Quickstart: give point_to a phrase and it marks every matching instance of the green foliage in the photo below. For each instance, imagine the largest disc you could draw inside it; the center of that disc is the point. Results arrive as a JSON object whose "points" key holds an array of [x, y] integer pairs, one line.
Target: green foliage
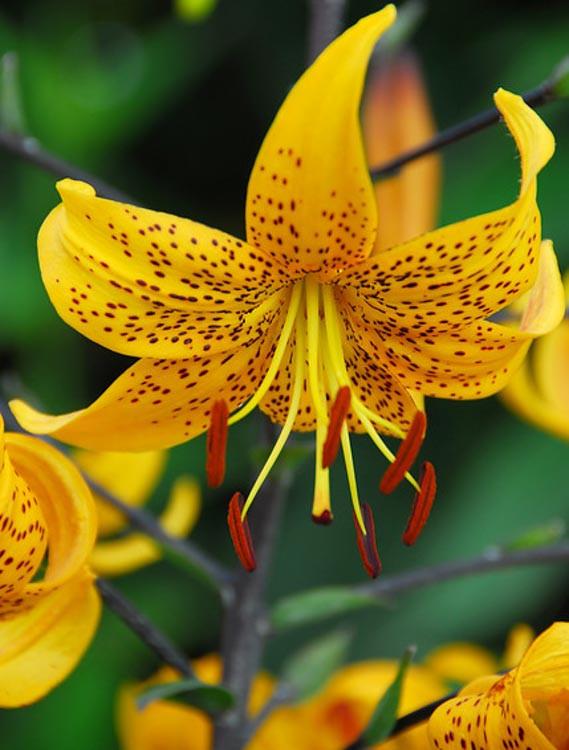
{"points": [[319, 604], [308, 670], [209, 698]]}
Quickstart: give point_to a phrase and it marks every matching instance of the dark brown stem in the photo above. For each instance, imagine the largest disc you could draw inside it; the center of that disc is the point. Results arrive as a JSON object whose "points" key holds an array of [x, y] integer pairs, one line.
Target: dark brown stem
{"points": [[141, 626]]}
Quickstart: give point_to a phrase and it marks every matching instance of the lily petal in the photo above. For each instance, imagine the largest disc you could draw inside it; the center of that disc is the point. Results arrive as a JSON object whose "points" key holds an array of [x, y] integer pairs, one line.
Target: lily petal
{"points": [[41, 645], [129, 476], [528, 706], [146, 283], [121, 556], [396, 118], [464, 272], [157, 403], [310, 201]]}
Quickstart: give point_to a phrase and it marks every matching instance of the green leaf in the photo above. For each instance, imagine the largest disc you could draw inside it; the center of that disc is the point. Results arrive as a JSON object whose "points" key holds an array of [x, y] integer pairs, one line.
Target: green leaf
{"points": [[560, 79], [311, 667], [212, 699], [539, 536], [11, 110], [385, 715], [319, 604]]}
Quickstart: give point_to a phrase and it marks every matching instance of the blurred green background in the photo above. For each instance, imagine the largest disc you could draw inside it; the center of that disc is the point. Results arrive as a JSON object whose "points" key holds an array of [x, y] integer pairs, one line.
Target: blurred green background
{"points": [[173, 112]]}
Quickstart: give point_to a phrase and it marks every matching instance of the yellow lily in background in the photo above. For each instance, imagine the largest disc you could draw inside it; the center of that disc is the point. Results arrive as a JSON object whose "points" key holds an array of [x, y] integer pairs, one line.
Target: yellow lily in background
{"points": [[307, 319], [132, 477], [48, 619], [539, 390], [330, 721], [526, 708]]}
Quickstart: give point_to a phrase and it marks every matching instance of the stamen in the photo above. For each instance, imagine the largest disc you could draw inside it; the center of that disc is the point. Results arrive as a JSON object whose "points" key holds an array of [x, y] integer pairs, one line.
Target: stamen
{"points": [[422, 504], [284, 337], [321, 509], [216, 443], [338, 415], [406, 454], [313, 324], [351, 475], [240, 533], [325, 518], [367, 544]]}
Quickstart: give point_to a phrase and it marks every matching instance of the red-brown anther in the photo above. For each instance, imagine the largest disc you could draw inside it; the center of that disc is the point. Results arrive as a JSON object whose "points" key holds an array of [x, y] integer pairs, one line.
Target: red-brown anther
{"points": [[338, 415], [216, 444], [422, 504], [324, 519], [367, 544], [240, 534], [406, 454]]}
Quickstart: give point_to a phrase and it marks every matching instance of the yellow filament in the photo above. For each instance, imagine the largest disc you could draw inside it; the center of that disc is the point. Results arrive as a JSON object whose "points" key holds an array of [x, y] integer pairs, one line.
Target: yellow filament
{"points": [[351, 474], [335, 349], [312, 340], [299, 368], [284, 337], [321, 501]]}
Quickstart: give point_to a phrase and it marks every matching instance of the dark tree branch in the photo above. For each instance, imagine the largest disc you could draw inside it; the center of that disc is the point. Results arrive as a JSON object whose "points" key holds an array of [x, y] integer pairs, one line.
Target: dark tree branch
{"points": [[156, 641], [535, 98], [485, 563], [326, 22], [30, 150]]}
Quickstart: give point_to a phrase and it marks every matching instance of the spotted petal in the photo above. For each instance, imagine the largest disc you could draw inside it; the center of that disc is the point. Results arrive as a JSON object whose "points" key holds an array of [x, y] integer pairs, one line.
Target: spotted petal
{"points": [[157, 403], [41, 645], [145, 283], [457, 275], [527, 708], [310, 201]]}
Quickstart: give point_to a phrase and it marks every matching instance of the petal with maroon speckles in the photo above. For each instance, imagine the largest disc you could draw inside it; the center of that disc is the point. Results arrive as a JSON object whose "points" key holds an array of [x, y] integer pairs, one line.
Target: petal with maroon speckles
{"points": [[145, 283]]}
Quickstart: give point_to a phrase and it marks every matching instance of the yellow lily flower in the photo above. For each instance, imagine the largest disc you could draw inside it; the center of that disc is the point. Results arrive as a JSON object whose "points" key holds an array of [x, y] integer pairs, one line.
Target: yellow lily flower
{"points": [[132, 477], [526, 708], [46, 621], [538, 391], [331, 720], [306, 319]]}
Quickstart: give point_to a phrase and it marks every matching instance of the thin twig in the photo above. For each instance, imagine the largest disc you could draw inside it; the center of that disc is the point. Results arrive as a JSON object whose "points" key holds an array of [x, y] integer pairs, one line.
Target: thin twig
{"points": [[491, 560], [326, 22], [30, 150], [535, 98], [148, 633], [243, 639]]}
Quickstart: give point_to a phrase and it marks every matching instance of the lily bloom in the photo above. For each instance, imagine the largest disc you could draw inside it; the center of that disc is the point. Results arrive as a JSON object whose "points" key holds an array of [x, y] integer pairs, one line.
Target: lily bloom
{"points": [[306, 319], [132, 477], [526, 708], [331, 719], [48, 619], [538, 391]]}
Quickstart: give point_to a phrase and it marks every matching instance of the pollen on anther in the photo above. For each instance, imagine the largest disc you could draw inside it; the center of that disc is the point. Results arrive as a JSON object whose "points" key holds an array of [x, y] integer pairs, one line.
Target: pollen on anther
{"points": [[422, 504], [216, 444], [367, 544], [240, 534], [338, 415], [406, 454]]}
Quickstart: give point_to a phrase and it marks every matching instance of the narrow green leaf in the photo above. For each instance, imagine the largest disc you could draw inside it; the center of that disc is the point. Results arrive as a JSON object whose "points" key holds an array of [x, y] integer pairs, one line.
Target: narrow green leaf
{"points": [[539, 536], [560, 79], [212, 699], [311, 667], [319, 604], [385, 714]]}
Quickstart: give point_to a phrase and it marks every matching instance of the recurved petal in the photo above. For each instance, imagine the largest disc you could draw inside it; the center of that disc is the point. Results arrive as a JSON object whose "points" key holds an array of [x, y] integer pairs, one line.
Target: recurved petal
{"points": [[40, 646], [551, 369], [396, 117], [145, 283], [121, 556], [157, 403], [66, 505], [463, 272], [129, 476], [310, 201]]}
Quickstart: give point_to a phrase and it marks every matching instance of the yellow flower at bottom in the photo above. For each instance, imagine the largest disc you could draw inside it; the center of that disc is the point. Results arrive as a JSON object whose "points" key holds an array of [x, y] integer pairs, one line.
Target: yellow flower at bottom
{"points": [[528, 708], [132, 477], [46, 620]]}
